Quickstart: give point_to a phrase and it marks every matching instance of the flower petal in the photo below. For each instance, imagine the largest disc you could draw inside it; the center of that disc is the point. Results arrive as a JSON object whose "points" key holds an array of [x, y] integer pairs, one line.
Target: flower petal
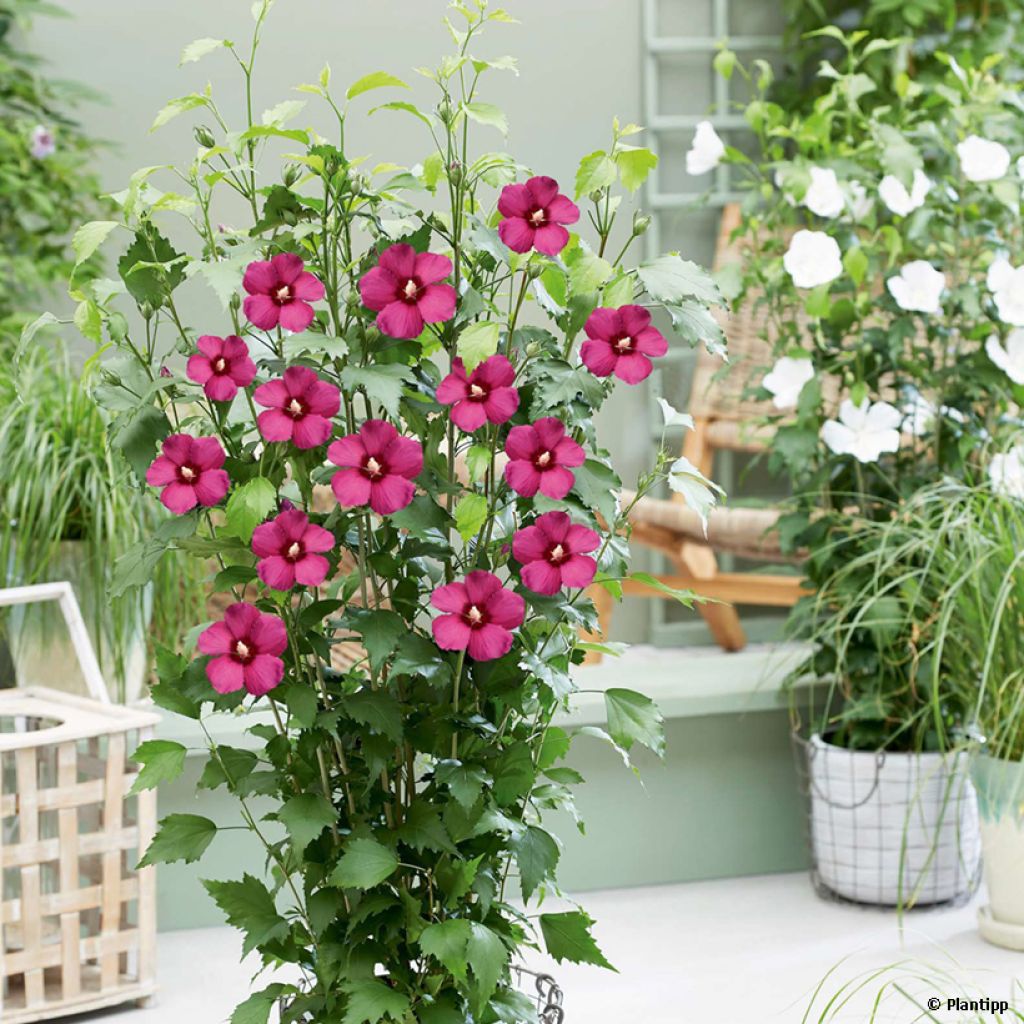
{"points": [[489, 642], [377, 288], [262, 674], [296, 316], [390, 494], [225, 674], [542, 577], [261, 311], [350, 487], [431, 267], [277, 572], [451, 632], [516, 234], [437, 303], [260, 277], [400, 260], [311, 431], [400, 320], [556, 483], [551, 239]]}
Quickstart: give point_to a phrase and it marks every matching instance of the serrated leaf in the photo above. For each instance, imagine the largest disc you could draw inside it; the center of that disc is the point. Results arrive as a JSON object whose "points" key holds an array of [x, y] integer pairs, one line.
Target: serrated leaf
{"points": [[596, 171], [364, 864], [258, 1007], [199, 48], [89, 237], [598, 486], [476, 343], [377, 709], [380, 630], [536, 853], [634, 166], [424, 830], [248, 506], [487, 113], [567, 937], [374, 80], [306, 815], [249, 906], [470, 515], [161, 760], [372, 1001], [699, 493], [446, 942], [487, 957], [671, 279], [464, 782], [227, 767], [176, 107], [634, 718], [383, 384], [180, 837]]}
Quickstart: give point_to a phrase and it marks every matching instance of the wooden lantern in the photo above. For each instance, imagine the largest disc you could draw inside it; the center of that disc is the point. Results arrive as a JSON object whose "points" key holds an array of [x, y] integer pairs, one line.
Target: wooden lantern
{"points": [[77, 920]]}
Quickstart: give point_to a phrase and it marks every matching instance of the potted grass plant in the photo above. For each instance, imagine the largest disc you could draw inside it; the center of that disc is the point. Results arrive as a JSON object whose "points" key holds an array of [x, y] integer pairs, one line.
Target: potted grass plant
{"points": [[387, 441]]}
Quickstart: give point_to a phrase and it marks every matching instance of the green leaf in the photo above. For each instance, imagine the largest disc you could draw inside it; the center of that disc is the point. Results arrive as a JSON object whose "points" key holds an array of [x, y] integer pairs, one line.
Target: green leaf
{"points": [[150, 267], [724, 63], [89, 237], [695, 325], [446, 942], [364, 864], [376, 709], [634, 718], [161, 760], [464, 782], [371, 1001], [597, 485], [424, 830], [180, 837], [380, 630], [229, 766], [176, 107], [383, 384], [685, 597], [248, 506], [855, 261], [587, 271], [306, 815], [199, 48], [409, 108], [567, 937], [537, 855], [470, 515], [487, 958], [258, 1007], [476, 343], [301, 700], [634, 166], [596, 171], [375, 80], [249, 906], [487, 113], [32, 329], [671, 279], [421, 517], [138, 436]]}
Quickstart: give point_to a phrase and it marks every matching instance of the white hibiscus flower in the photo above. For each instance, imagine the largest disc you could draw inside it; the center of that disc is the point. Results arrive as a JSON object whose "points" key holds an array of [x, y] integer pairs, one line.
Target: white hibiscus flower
{"points": [[1009, 358], [1006, 283], [673, 417], [920, 413], [864, 431], [824, 196], [813, 258], [860, 203], [706, 151], [699, 493], [895, 195], [982, 159], [786, 380], [1006, 471], [918, 287]]}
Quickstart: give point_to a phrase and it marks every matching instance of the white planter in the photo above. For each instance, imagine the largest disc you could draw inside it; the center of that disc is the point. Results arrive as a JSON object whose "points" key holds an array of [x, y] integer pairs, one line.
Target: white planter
{"points": [[1001, 797], [892, 829]]}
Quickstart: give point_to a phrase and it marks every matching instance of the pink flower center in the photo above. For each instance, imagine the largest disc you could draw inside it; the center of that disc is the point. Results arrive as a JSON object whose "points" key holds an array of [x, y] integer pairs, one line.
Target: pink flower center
{"points": [[294, 552], [283, 294], [295, 408], [475, 391], [543, 460], [372, 468], [538, 218], [557, 555], [410, 290], [187, 473], [474, 616], [242, 650], [219, 364], [623, 344]]}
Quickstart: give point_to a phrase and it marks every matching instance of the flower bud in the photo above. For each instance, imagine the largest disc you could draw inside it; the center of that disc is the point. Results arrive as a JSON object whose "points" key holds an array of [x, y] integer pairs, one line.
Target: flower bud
{"points": [[533, 349], [164, 372], [236, 302], [455, 172], [641, 223], [204, 136], [534, 270], [596, 196], [444, 112], [292, 173], [146, 310]]}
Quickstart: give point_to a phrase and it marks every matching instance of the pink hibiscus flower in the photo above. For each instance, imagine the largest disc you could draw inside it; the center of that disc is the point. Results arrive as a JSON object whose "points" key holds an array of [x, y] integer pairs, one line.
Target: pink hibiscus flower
{"points": [[619, 341], [553, 552], [280, 292], [189, 471], [222, 366], [289, 549], [378, 467], [534, 214], [480, 615], [485, 396], [539, 455], [247, 645], [299, 408], [404, 290]]}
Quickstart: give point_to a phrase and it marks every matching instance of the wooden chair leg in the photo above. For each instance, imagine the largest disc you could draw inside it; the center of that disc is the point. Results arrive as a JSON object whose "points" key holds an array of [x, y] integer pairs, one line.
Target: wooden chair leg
{"points": [[722, 620], [605, 605]]}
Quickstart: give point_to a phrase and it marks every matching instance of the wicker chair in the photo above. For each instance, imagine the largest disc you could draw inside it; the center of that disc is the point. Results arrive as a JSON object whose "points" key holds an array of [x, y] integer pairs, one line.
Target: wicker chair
{"points": [[723, 421]]}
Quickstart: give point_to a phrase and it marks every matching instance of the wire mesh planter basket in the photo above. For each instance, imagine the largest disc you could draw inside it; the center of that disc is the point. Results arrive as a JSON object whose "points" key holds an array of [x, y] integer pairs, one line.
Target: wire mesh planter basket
{"points": [[888, 828]]}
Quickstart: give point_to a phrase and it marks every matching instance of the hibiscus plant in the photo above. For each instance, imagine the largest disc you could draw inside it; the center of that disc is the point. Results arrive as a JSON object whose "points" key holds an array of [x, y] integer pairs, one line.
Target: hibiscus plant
{"points": [[386, 443], [876, 239]]}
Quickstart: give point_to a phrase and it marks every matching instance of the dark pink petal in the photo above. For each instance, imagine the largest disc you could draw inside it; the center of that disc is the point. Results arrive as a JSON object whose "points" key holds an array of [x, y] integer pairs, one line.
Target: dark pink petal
{"points": [[219, 389], [298, 380], [481, 586], [261, 311], [268, 538], [308, 287], [296, 316], [177, 448], [452, 389], [179, 498], [569, 453], [451, 633], [207, 453], [634, 319], [216, 639], [400, 260], [550, 239], [317, 539], [604, 323], [582, 539], [495, 372], [243, 371], [376, 435], [501, 404], [232, 347], [400, 320], [311, 571], [550, 432], [541, 577], [469, 416], [437, 303], [323, 398], [405, 457], [563, 210], [506, 608], [212, 346], [275, 425], [378, 288], [523, 478], [651, 342], [542, 190], [431, 267], [522, 443], [260, 277], [632, 368], [598, 357], [515, 201], [347, 451], [311, 431], [350, 487], [292, 524], [390, 494], [161, 471], [211, 486], [489, 642], [262, 674], [269, 634], [556, 483], [450, 598], [529, 544], [225, 674], [273, 394], [578, 571], [555, 526], [287, 266], [277, 572], [198, 368], [240, 618], [516, 234]]}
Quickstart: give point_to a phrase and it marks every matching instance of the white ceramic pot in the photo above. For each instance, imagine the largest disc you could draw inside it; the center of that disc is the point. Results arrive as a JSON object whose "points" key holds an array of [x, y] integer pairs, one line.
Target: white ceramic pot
{"points": [[1000, 786], [892, 829]]}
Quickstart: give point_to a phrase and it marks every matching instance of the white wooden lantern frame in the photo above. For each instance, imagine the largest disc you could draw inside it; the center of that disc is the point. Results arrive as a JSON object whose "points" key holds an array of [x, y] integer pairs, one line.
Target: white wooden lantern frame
{"points": [[77, 920]]}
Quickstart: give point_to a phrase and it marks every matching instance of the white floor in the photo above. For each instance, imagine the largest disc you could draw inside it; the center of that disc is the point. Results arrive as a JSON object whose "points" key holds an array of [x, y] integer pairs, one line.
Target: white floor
{"points": [[737, 951]]}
